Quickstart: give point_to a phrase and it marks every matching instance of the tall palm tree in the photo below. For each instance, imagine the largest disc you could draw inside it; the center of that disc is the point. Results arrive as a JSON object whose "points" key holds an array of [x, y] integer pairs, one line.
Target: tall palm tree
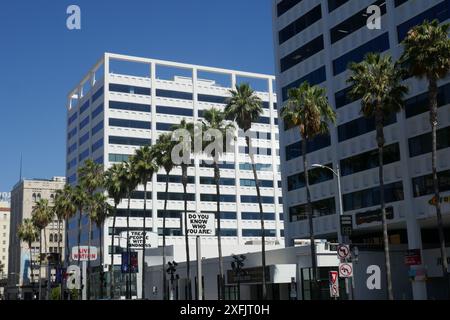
{"points": [[90, 177], [28, 233], [162, 154], [144, 167], [308, 109], [189, 127], [427, 55], [64, 210], [42, 215], [116, 191], [245, 107], [129, 181], [377, 81], [215, 120], [79, 199], [100, 210]]}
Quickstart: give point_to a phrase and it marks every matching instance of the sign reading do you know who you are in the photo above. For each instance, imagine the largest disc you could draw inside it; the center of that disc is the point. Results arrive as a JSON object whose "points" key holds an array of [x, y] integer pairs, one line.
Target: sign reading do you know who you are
{"points": [[201, 224]]}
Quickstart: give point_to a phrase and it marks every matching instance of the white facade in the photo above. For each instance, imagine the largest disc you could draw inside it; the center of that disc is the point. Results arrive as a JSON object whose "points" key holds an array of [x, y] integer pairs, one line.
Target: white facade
{"points": [[159, 103], [327, 67]]}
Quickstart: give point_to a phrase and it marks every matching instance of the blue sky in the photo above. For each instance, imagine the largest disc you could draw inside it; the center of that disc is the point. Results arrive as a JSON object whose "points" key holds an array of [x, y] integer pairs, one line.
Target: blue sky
{"points": [[41, 60]]}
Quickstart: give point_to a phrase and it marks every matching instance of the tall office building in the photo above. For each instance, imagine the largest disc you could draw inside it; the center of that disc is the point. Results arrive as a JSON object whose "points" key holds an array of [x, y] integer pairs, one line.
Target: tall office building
{"points": [[4, 243], [315, 40], [126, 102], [24, 196]]}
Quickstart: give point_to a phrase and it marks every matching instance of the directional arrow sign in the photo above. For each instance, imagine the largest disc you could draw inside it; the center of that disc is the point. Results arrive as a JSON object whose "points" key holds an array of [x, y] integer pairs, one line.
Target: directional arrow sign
{"points": [[343, 251], [346, 270]]}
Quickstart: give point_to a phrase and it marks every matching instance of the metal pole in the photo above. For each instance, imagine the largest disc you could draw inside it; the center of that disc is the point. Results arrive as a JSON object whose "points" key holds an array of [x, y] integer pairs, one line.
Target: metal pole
{"points": [[199, 269]]}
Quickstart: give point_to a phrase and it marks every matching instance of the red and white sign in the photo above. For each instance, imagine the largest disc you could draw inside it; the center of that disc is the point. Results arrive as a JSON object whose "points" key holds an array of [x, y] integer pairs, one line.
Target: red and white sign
{"points": [[346, 270], [334, 284], [84, 254], [343, 251], [413, 257]]}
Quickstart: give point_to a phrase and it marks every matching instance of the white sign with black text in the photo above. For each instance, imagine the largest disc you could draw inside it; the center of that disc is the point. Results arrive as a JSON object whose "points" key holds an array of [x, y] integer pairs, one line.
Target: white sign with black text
{"points": [[201, 224], [136, 239]]}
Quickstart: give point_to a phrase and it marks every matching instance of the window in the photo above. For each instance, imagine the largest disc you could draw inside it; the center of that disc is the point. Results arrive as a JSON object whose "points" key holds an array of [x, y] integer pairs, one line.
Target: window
{"points": [[360, 126], [316, 175], [354, 23], [343, 97], [84, 122], [259, 166], [399, 2], [160, 126], [301, 54], [72, 118], [175, 111], [97, 111], [51, 238], [258, 232], [419, 104], [424, 185], [285, 5], [135, 213], [252, 183], [320, 208], [212, 99], [72, 163], [229, 166], [126, 123], [257, 216], [83, 155], [254, 199], [371, 197], [129, 141], [422, 144], [176, 196], [84, 107], [174, 179], [256, 150], [72, 148], [72, 133], [97, 94], [316, 77], [97, 128], [377, 45], [213, 198], [300, 24], [369, 160], [171, 232], [441, 11], [318, 142], [129, 89], [97, 145], [227, 232], [99, 160], [174, 94], [222, 181], [129, 106], [334, 4], [83, 139], [118, 157], [72, 178]]}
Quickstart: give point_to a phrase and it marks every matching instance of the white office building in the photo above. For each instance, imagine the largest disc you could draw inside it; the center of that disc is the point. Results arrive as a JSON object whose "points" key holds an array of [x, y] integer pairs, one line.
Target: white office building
{"points": [[126, 102], [314, 41]]}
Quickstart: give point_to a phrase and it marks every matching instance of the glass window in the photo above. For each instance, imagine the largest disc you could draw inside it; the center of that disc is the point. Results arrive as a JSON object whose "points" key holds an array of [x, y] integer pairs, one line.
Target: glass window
{"points": [[72, 163], [229, 166], [371, 197], [175, 111], [258, 232], [252, 183], [360, 126], [72, 178], [213, 198], [369, 160], [424, 185], [300, 24], [97, 111], [72, 118], [97, 94], [316, 77], [343, 97], [118, 157], [285, 5], [83, 155], [301, 54], [72, 148], [377, 45], [227, 232], [212, 99], [164, 126], [259, 166], [99, 160], [419, 104], [318, 142], [257, 216], [334, 4], [129, 89], [126, 123], [84, 107], [174, 94], [222, 181], [97, 128], [254, 199], [97, 145], [72, 133], [316, 175], [129, 106], [323, 207], [129, 141], [84, 122], [176, 196], [83, 139], [422, 144]]}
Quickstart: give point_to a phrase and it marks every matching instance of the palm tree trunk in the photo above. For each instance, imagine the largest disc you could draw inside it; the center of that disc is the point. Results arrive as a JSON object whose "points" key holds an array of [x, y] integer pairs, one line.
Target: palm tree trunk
{"points": [[101, 260], [186, 237], [45, 252], [59, 257], [30, 245], [112, 280], [380, 142], [433, 93], [128, 282], [143, 243], [40, 264], [263, 233], [88, 277], [164, 239], [315, 284], [67, 254], [219, 237], [79, 242]]}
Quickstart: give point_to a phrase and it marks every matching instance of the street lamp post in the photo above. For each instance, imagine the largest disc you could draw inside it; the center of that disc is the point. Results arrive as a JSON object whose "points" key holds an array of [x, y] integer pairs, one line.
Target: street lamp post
{"points": [[341, 238]]}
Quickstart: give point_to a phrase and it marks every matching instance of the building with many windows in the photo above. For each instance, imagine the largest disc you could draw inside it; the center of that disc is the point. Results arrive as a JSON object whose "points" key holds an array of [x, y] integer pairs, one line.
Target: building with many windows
{"points": [[4, 243], [315, 40], [24, 196], [126, 102]]}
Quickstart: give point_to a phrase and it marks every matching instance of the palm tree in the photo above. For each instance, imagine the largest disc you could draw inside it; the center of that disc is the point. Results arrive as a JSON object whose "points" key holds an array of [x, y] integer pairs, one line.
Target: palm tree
{"points": [[116, 191], [79, 199], [64, 209], [377, 81], [90, 178], [42, 215], [189, 127], [145, 167], [162, 150], [100, 210], [245, 107], [129, 182], [308, 109], [215, 120], [427, 55], [28, 233]]}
